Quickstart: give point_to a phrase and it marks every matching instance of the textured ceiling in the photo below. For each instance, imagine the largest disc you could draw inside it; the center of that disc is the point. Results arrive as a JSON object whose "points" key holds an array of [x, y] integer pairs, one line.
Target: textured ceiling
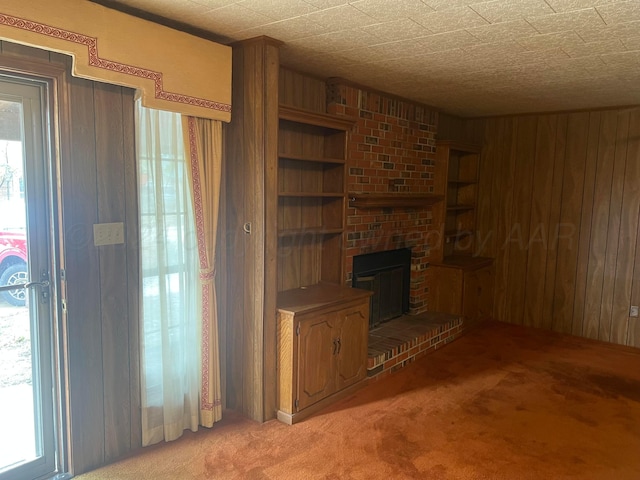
{"points": [[467, 57]]}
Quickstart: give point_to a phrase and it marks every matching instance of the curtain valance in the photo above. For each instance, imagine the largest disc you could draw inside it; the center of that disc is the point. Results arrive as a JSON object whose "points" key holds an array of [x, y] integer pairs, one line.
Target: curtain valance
{"points": [[171, 70]]}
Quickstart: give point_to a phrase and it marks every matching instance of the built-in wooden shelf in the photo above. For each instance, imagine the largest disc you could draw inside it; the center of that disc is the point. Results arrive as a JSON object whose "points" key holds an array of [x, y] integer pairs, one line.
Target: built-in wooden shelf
{"points": [[464, 262], [309, 158], [311, 194], [390, 200], [457, 234], [318, 119], [308, 231]]}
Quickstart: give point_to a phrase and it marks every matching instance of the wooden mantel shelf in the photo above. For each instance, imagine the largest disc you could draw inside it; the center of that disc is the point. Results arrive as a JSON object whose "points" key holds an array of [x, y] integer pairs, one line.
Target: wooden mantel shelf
{"points": [[391, 200], [326, 120]]}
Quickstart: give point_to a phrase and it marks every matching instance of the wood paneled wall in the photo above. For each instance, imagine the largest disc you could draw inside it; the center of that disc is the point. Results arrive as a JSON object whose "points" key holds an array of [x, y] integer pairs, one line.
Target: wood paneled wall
{"points": [[97, 178], [302, 91], [559, 198]]}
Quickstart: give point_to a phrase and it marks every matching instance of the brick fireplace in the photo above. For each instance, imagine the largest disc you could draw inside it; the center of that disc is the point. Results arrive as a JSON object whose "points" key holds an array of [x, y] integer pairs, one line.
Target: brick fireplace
{"points": [[391, 150]]}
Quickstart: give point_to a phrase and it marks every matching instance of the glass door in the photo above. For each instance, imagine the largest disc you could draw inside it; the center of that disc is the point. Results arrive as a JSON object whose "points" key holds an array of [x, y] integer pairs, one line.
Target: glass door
{"points": [[27, 433]]}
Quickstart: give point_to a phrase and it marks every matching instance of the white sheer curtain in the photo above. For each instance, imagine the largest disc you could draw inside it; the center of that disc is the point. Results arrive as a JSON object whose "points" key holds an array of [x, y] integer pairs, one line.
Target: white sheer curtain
{"points": [[170, 330]]}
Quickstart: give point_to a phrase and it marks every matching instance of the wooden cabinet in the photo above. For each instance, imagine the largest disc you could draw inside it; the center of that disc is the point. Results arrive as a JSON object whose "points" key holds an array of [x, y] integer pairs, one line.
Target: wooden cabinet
{"points": [[322, 331], [463, 287], [322, 325], [461, 282], [311, 197]]}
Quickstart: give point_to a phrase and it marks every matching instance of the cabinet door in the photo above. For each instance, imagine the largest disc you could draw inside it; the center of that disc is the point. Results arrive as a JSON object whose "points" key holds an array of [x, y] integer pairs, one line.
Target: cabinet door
{"points": [[446, 290], [316, 362], [485, 292], [352, 351], [478, 294], [470, 295]]}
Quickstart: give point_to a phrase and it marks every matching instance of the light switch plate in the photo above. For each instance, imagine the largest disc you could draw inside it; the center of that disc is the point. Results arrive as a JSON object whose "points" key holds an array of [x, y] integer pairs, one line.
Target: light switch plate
{"points": [[633, 311], [108, 234]]}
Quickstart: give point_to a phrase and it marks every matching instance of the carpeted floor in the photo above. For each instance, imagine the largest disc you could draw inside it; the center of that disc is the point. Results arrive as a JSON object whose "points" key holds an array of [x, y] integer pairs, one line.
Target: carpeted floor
{"points": [[502, 402]]}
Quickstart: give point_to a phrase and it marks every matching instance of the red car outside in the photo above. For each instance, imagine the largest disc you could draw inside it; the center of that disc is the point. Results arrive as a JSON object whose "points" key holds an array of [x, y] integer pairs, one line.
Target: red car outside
{"points": [[13, 265]]}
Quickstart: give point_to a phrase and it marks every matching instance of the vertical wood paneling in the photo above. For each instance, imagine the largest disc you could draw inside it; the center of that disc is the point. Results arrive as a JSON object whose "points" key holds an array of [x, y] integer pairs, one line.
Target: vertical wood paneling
{"points": [[599, 224], [83, 285], [234, 179], [484, 241], [554, 220], [585, 223], [540, 209], [580, 264], [269, 379], [613, 231], [568, 228], [253, 289], [623, 282], [113, 269], [525, 151], [503, 183], [633, 160], [133, 282], [302, 90]]}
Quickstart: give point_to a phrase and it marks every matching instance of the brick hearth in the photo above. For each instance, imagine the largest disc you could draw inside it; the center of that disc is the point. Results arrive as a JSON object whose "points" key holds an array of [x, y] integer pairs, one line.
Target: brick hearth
{"points": [[402, 340]]}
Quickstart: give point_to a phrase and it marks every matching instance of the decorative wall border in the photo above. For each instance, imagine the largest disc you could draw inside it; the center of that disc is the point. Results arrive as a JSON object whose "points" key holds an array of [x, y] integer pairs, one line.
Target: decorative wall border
{"points": [[95, 61]]}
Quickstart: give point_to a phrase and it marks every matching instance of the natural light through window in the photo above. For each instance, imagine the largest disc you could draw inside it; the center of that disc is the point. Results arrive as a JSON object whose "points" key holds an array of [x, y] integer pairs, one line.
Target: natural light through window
{"points": [[169, 263]]}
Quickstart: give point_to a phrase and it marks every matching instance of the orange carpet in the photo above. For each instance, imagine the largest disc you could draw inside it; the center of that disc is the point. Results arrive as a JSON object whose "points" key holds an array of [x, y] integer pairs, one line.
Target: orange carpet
{"points": [[502, 402]]}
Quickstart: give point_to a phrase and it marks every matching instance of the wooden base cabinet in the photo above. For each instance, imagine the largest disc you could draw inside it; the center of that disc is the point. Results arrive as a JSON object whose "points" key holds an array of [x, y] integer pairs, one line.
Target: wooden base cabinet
{"points": [[463, 286], [322, 339]]}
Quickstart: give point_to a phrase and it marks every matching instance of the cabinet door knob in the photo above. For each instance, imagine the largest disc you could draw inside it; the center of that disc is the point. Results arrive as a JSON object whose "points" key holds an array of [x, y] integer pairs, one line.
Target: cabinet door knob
{"points": [[339, 345], [335, 346]]}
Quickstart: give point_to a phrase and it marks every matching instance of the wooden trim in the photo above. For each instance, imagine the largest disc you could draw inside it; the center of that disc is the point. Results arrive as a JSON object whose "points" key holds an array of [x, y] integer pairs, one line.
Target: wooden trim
{"points": [[308, 117], [360, 86], [262, 40], [464, 262], [548, 112], [292, 418]]}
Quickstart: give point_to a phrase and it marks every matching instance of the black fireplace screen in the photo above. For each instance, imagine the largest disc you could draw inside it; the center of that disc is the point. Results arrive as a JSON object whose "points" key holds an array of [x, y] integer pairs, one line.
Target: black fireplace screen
{"points": [[387, 275]]}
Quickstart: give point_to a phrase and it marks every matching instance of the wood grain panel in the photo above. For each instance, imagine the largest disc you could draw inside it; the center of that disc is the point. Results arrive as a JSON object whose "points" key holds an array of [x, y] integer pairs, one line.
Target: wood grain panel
{"points": [[599, 224], [503, 183], [633, 160], [485, 214], [554, 221], [113, 269], [132, 238], [234, 181], [585, 223], [302, 91], [613, 230], [83, 283], [253, 287], [520, 217], [272, 101], [627, 239], [539, 220], [581, 268], [568, 228]]}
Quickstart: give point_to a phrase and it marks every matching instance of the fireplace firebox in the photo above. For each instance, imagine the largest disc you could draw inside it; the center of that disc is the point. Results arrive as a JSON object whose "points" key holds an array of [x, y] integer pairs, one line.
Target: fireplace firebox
{"points": [[387, 274]]}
